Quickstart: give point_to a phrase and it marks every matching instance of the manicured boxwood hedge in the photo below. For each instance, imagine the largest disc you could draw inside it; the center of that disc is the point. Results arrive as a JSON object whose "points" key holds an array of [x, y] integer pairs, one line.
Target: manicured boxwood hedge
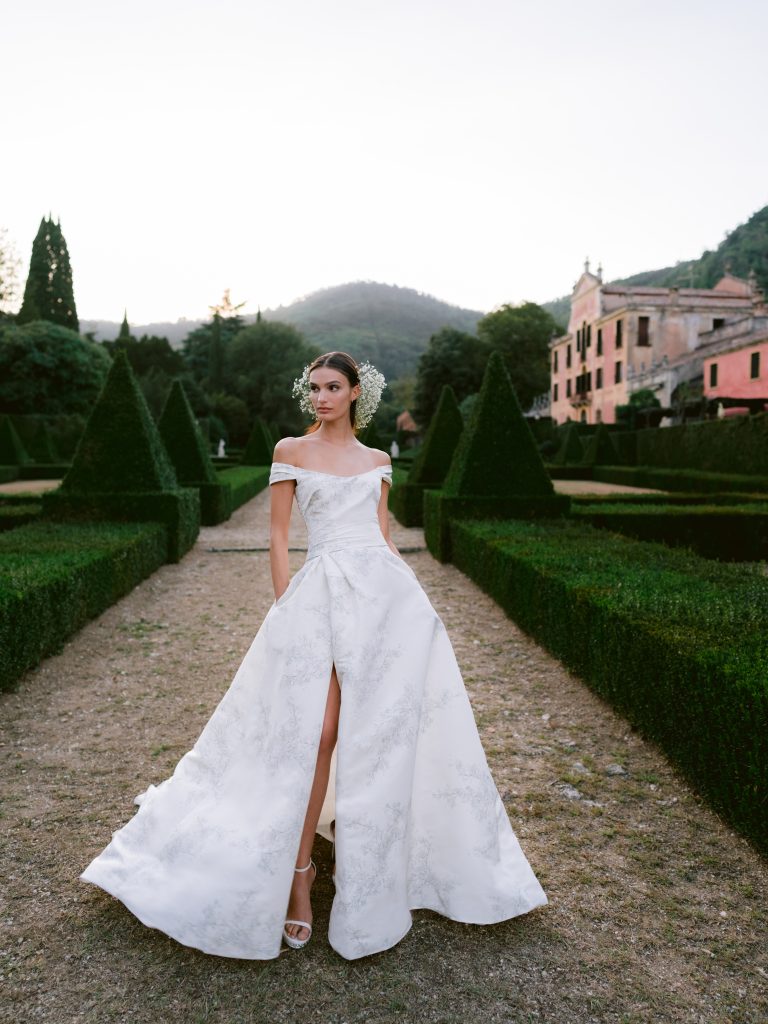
{"points": [[677, 643], [245, 482], [679, 479], [54, 577], [726, 533], [18, 514]]}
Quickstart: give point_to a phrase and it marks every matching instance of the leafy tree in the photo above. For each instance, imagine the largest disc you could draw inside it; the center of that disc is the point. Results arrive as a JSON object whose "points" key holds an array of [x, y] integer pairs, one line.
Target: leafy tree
{"points": [[205, 348], [521, 334], [262, 362], [125, 330], [232, 412], [452, 357], [48, 294], [45, 368]]}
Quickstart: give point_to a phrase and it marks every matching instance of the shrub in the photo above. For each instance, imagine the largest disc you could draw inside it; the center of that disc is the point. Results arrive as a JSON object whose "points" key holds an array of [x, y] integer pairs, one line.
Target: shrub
{"points": [[431, 463], [258, 450], [55, 577], [677, 643]]}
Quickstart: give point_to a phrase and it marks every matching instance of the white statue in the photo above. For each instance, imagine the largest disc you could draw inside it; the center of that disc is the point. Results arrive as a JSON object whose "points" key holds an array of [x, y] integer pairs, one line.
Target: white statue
{"points": [[221, 453], [394, 449]]}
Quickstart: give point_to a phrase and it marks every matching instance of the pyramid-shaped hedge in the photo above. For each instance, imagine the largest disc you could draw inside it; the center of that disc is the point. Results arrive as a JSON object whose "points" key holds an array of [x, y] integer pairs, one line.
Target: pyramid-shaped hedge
{"points": [[12, 450], [600, 450], [496, 470], [258, 450], [121, 470], [191, 460], [430, 466], [571, 449]]}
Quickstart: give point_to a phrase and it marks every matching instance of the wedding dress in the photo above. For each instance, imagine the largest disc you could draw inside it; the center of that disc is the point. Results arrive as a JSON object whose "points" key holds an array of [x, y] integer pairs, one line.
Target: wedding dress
{"points": [[209, 856]]}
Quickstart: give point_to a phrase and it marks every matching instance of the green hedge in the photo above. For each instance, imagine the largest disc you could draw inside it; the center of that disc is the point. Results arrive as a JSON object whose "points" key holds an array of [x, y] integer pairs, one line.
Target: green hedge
{"points": [[178, 510], [678, 479], [728, 534], [17, 513], [734, 444], [55, 577], [677, 643], [245, 482]]}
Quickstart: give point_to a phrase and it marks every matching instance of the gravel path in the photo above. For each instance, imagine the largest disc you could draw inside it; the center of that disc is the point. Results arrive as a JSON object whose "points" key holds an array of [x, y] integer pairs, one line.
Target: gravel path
{"points": [[657, 913]]}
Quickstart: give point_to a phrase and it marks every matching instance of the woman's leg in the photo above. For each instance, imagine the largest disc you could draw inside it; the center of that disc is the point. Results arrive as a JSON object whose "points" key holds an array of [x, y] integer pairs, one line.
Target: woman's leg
{"points": [[299, 905]]}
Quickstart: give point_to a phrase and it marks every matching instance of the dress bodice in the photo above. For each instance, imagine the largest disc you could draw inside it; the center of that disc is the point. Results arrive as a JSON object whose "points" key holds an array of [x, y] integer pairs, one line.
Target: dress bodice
{"points": [[339, 511]]}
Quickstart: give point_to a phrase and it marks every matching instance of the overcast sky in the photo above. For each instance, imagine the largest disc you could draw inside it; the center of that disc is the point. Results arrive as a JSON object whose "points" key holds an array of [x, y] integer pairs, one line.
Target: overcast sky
{"points": [[476, 150]]}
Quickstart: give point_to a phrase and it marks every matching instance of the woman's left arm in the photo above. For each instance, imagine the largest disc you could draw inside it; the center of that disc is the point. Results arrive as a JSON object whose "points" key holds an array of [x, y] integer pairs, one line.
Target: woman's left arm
{"points": [[383, 511]]}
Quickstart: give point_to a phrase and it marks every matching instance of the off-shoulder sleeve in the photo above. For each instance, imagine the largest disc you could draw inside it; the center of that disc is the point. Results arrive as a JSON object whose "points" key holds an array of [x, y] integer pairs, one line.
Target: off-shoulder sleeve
{"points": [[386, 473], [282, 471]]}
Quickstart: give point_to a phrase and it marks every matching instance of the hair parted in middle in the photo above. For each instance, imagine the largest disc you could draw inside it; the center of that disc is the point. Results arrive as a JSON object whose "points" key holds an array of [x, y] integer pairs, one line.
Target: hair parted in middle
{"points": [[343, 362]]}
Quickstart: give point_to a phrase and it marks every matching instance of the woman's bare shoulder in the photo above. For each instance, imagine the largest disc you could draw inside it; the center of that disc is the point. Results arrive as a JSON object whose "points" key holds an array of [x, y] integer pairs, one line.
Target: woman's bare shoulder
{"points": [[381, 458], [286, 450]]}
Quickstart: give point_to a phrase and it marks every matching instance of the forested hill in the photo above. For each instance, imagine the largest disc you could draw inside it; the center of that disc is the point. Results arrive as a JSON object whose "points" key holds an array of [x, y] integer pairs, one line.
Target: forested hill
{"points": [[742, 250], [387, 324]]}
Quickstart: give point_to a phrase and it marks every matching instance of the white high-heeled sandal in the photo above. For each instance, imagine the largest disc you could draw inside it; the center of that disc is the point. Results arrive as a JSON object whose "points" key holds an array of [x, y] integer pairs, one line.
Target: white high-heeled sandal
{"points": [[292, 941]]}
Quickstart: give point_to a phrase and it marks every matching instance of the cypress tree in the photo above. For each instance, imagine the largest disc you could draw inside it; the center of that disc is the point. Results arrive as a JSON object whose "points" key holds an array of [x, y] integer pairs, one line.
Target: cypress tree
{"points": [[48, 293], [125, 330]]}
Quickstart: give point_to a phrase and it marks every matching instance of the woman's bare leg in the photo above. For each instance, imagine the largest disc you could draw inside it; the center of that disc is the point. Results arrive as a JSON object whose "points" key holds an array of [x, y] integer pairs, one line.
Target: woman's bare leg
{"points": [[299, 905]]}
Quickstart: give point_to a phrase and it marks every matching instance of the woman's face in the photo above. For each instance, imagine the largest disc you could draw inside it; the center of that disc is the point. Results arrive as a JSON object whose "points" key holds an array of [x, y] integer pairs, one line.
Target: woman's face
{"points": [[331, 393]]}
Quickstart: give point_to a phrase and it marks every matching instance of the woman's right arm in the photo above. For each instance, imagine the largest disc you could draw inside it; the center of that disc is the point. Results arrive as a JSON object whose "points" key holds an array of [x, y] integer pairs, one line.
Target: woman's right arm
{"points": [[281, 503]]}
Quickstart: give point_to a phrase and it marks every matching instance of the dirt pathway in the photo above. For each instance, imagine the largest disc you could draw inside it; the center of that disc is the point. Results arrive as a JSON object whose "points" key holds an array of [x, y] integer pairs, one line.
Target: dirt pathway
{"points": [[657, 912]]}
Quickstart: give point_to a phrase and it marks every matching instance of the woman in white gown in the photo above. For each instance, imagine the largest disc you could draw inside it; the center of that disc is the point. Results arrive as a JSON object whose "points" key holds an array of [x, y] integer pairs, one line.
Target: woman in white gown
{"points": [[348, 708]]}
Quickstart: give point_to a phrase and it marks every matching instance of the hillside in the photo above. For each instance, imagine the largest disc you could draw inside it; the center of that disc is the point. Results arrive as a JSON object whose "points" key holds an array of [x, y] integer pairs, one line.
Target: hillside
{"points": [[387, 324], [744, 249]]}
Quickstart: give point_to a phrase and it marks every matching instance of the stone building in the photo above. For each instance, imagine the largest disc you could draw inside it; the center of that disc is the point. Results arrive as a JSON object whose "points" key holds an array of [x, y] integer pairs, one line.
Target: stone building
{"points": [[623, 339]]}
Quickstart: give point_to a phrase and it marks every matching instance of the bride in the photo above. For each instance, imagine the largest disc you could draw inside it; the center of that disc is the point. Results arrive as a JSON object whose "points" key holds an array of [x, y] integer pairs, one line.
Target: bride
{"points": [[347, 717]]}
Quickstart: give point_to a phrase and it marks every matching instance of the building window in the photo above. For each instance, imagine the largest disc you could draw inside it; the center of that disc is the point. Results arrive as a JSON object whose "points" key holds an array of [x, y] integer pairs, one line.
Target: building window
{"points": [[599, 377], [643, 324], [554, 361], [589, 380], [754, 365], [619, 338], [599, 341], [617, 373], [568, 355], [554, 392], [713, 375], [718, 322], [589, 335], [568, 388]]}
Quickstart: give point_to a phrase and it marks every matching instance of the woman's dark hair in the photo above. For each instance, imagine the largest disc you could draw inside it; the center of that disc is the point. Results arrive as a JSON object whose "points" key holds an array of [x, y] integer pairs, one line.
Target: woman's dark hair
{"points": [[343, 362]]}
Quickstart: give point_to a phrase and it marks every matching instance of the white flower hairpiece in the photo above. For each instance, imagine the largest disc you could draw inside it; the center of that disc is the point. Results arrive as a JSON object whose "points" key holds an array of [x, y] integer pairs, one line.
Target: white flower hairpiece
{"points": [[372, 384]]}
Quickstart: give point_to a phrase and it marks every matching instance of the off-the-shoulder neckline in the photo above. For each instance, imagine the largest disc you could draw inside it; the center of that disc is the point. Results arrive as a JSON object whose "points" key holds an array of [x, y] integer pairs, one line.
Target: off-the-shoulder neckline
{"points": [[339, 476]]}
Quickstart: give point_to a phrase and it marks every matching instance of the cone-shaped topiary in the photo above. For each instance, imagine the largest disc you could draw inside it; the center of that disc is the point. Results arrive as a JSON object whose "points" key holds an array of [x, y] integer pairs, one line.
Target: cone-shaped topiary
{"points": [[258, 451], [571, 449], [431, 465], [601, 451], [183, 441], [121, 449], [274, 431], [497, 454], [12, 450], [189, 453], [121, 470]]}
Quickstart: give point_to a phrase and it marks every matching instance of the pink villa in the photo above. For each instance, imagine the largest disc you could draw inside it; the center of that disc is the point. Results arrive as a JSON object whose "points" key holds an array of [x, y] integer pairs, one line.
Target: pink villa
{"points": [[623, 339]]}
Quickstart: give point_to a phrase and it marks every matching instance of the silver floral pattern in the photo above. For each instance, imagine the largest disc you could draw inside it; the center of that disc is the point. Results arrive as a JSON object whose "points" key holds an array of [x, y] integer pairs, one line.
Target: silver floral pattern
{"points": [[208, 857]]}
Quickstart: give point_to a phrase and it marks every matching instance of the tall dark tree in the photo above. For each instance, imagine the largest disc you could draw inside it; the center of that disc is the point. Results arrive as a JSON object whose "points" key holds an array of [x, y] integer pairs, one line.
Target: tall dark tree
{"points": [[125, 330], [48, 294], [522, 335], [453, 357]]}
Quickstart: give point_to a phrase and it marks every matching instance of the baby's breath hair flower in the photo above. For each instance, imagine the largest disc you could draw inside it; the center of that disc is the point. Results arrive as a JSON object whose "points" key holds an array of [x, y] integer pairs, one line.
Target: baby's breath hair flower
{"points": [[372, 383]]}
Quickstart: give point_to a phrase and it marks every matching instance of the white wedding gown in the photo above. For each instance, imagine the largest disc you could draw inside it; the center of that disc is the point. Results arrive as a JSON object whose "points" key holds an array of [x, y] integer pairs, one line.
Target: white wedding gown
{"points": [[209, 856]]}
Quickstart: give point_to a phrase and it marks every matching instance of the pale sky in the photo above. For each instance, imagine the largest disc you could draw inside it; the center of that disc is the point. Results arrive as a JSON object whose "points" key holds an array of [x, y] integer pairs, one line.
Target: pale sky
{"points": [[476, 150]]}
